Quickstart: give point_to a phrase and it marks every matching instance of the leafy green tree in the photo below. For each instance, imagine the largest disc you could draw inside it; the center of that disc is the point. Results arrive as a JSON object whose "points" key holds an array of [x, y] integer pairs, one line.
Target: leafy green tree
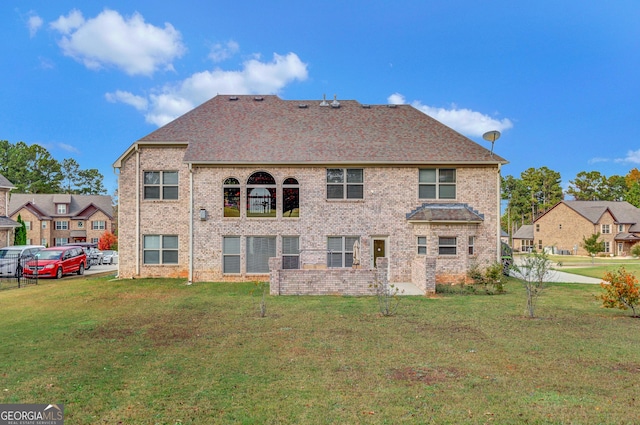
{"points": [[20, 237], [535, 192], [587, 186], [32, 169], [593, 244], [632, 195], [615, 189]]}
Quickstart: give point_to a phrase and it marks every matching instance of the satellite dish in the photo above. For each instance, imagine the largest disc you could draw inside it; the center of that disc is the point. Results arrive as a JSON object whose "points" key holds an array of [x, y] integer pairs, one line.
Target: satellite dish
{"points": [[491, 136]]}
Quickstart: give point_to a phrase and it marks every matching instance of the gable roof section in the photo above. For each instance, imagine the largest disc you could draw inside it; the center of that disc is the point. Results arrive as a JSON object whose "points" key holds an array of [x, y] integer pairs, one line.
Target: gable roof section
{"points": [[524, 232], [269, 130], [622, 211], [445, 213], [7, 223], [45, 204], [4, 183]]}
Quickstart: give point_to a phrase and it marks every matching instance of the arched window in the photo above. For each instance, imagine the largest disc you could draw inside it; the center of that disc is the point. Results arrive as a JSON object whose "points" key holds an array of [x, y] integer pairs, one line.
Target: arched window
{"points": [[261, 195], [231, 197], [290, 198]]}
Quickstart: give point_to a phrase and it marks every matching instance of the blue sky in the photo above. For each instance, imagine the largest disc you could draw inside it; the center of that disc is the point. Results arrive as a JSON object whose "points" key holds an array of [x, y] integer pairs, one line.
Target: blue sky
{"points": [[559, 79]]}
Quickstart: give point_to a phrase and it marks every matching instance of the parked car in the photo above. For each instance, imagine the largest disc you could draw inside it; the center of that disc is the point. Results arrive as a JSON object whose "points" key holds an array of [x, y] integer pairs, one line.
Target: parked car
{"points": [[88, 248], [94, 256], [109, 257], [13, 258], [56, 262]]}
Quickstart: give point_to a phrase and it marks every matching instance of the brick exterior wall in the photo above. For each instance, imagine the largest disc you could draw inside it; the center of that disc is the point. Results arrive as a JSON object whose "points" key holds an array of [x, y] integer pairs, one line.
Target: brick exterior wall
{"points": [[5, 234], [563, 228], [389, 194]]}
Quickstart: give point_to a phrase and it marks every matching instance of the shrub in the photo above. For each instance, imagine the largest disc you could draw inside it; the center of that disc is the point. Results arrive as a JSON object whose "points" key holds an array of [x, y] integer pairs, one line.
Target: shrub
{"points": [[621, 291], [635, 251], [490, 278]]}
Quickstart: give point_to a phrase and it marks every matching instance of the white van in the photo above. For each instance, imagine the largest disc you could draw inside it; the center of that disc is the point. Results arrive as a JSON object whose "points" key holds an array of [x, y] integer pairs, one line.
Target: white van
{"points": [[13, 258]]}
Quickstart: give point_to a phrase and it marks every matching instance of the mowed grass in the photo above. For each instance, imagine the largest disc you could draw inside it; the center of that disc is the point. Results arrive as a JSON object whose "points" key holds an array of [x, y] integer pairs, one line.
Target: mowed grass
{"points": [[594, 267], [160, 352]]}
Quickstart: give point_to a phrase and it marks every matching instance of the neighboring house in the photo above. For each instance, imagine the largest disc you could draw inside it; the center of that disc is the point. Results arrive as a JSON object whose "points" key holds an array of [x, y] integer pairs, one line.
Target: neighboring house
{"points": [[58, 219], [7, 225], [565, 226], [523, 238], [239, 180]]}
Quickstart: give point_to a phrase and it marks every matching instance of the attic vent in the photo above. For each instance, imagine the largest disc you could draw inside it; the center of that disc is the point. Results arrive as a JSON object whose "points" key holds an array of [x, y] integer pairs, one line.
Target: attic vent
{"points": [[324, 100], [233, 98], [303, 106], [258, 98], [392, 105], [335, 103], [366, 106]]}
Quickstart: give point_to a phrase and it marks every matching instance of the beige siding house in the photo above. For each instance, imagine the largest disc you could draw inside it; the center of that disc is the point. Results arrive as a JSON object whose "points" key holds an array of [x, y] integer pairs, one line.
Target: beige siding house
{"points": [[7, 225], [565, 225], [317, 192], [58, 219]]}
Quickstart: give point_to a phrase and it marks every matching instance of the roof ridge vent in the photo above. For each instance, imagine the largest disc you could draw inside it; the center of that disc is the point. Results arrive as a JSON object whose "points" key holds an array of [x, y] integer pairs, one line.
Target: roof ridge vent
{"points": [[233, 97], [335, 103], [366, 106], [324, 100], [392, 105], [303, 106], [258, 98]]}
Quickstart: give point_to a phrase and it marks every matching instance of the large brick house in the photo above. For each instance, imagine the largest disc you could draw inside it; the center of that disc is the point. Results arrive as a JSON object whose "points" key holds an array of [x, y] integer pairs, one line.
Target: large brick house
{"points": [[58, 219], [7, 225], [216, 193], [565, 225]]}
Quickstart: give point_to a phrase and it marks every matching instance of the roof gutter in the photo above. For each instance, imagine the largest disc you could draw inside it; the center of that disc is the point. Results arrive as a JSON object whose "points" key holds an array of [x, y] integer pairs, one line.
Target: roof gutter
{"points": [[190, 279]]}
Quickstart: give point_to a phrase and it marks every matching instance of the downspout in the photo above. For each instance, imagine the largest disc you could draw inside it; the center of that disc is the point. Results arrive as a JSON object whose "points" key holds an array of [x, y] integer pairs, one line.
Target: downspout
{"points": [[190, 281], [138, 235], [499, 228]]}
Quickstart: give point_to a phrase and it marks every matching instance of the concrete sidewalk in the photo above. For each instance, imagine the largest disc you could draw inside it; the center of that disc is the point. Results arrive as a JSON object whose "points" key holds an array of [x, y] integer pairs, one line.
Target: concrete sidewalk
{"points": [[560, 276]]}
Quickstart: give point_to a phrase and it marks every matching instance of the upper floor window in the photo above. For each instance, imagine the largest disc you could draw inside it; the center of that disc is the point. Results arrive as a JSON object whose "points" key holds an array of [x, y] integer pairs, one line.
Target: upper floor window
{"points": [[80, 224], [537, 227], [44, 224], [345, 183], [62, 225], [261, 195], [27, 225], [231, 197], [98, 225], [61, 208], [160, 185], [620, 227], [290, 198], [606, 228], [437, 183]]}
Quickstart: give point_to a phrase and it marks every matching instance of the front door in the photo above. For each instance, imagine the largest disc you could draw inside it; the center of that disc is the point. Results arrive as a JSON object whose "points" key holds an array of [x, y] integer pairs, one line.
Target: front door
{"points": [[379, 250]]}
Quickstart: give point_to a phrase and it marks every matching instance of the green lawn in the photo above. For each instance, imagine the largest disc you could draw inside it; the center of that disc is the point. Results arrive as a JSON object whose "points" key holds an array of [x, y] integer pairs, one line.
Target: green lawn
{"points": [[595, 267], [161, 352]]}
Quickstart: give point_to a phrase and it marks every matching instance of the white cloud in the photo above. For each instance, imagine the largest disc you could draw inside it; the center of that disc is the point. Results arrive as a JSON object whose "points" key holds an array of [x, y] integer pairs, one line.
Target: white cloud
{"points": [[396, 99], [68, 148], [110, 40], [256, 77], [34, 23], [220, 52], [465, 121], [138, 102], [632, 157]]}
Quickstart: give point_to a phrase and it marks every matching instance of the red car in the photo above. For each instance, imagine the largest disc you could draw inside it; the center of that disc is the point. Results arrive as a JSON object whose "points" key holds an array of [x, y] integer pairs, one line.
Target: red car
{"points": [[56, 262]]}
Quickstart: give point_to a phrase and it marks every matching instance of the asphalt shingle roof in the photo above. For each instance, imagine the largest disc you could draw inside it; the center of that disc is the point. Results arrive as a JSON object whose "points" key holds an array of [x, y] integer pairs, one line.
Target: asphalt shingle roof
{"points": [[269, 130], [46, 203], [446, 213], [5, 183], [622, 211]]}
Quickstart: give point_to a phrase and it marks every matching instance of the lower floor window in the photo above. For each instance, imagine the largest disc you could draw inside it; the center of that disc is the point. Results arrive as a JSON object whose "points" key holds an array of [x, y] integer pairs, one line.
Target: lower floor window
{"points": [[160, 249], [472, 241], [607, 247], [61, 241], [422, 245], [340, 251], [259, 250], [447, 246], [290, 252], [231, 254]]}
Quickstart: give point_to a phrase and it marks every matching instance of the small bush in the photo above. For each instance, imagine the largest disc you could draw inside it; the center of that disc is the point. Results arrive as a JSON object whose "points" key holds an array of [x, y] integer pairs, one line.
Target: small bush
{"points": [[635, 251], [621, 291], [490, 278]]}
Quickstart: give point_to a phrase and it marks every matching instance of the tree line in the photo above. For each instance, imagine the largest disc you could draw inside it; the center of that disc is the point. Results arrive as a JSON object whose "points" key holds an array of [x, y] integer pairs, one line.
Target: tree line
{"points": [[32, 169], [539, 189]]}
